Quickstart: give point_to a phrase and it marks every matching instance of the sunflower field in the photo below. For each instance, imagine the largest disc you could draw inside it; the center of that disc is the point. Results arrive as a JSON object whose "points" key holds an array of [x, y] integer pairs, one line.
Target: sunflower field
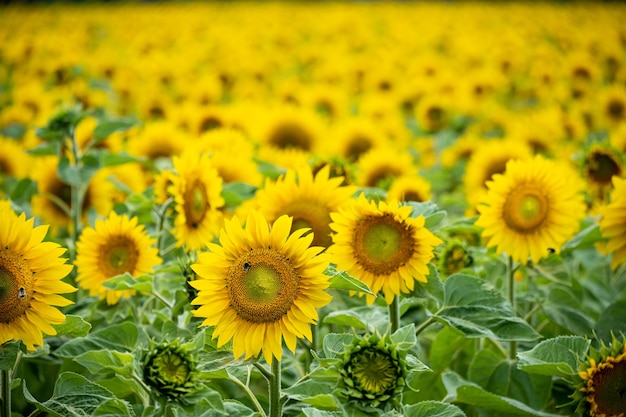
{"points": [[313, 209]]}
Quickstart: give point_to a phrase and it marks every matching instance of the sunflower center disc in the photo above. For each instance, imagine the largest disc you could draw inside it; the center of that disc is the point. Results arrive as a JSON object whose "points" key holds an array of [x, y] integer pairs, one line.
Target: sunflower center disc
{"points": [[382, 245], [171, 367], [119, 256], [609, 383], [263, 286], [308, 214], [602, 168], [525, 210], [196, 204], [374, 372], [16, 286], [288, 136]]}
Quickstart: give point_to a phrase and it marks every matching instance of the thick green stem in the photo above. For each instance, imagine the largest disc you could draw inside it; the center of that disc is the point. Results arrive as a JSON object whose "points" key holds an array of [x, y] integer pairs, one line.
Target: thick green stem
{"points": [[77, 197], [275, 404], [5, 395], [394, 314], [424, 325], [511, 277]]}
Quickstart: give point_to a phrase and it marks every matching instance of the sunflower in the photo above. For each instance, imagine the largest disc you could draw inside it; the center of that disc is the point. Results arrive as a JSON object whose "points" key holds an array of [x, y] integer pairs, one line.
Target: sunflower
{"points": [[612, 106], [31, 271], [115, 246], [379, 167], [354, 136], [603, 382], [409, 188], [262, 285], [309, 200], [197, 191], [535, 206], [600, 164], [382, 245], [158, 139], [613, 223]]}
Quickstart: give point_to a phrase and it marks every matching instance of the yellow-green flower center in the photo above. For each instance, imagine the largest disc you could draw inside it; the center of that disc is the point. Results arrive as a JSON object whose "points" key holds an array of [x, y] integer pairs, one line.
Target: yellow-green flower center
{"points": [[16, 285], [382, 244], [310, 214], [119, 255], [606, 388], [374, 372], [196, 204], [525, 209], [171, 368], [262, 285]]}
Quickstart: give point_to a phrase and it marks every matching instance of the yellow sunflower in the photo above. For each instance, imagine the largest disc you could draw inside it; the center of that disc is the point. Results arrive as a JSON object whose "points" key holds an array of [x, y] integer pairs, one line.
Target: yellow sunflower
{"points": [[158, 139], [379, 167], [382, 245], [14, 161], [535, 206], [261, 285], [600, 164], [309, 200], [31, 271], [409, 188], [613, 223], [114, 246], [196, 188]]}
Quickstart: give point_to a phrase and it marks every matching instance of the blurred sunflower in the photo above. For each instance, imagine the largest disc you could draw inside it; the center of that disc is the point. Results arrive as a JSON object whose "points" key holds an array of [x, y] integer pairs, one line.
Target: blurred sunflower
{"points": [[158, 139], [381, 166], [432, 113], [600, 164], [114, 246], [613, 223], [31, 271], [489, 158], [307, 199], [291, 128], [261, 285], [409, 188], [196, 188], [534, 207], [603, 382], [382, 245], [353, 137], [612, 106]]}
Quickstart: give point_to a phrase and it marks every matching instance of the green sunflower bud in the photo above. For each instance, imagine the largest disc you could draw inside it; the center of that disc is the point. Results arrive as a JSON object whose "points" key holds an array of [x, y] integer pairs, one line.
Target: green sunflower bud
{"points": [[170, 370]]}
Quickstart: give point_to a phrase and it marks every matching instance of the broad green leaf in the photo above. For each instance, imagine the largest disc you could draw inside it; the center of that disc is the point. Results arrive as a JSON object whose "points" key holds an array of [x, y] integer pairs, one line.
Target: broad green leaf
{"points": [[347, 318], [415, 365], [445, 347], [23, 191], [122, 337], [335, 344], [364, 317], [314, 393], [73, 396], [500, 376], [124, 386], [112, 159], [113, 408], [586, 237], [611, 321], [432, 409], [432, 288], [106, 127], [269, 170], [478, 310], [465, 392], [13, 130], [78, 174], [404, 338], [141, 283], [555, 357], [8, 354], [343, 281], [106, 360], [563, 308], [45, 149], [217, 360], [314, 412], [74, 326], [432, 215], [235, 193]]}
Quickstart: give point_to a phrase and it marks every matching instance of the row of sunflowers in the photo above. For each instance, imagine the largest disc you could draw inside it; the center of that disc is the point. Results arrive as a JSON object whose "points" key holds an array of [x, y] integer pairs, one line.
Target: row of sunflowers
{"points": [[313, 209]]}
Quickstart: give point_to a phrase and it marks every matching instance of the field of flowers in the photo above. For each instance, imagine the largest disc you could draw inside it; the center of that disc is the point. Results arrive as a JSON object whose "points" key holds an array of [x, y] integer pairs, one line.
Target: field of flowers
{"points": [[313, 209]]}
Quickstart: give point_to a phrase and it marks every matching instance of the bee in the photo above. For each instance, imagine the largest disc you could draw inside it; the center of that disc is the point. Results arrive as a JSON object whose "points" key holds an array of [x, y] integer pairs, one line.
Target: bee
{"points": [[246, 266]]}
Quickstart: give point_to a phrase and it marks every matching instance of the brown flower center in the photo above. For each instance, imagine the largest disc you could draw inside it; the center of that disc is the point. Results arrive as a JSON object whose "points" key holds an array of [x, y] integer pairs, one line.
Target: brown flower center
{"points": [[382, 244], [607, 389], [291, 135], [310, 214], [16, 285], [118, 256], [263, 285], [525, 209], [196, 204], [601, 167]]}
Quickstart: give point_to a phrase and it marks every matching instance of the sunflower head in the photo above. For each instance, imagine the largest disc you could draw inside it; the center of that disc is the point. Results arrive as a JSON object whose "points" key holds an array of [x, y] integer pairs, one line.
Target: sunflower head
{"points": [[373, 371], [602, 385], [170, 369], [454, 257], [600, 164]]}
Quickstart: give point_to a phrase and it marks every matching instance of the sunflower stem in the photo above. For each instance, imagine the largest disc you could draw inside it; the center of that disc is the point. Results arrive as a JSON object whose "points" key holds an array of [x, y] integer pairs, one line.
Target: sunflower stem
{"points": [[5, 396], [430, 320], [510, 271], [248, 391], [76, 198], [394, 314], [275, 404]]}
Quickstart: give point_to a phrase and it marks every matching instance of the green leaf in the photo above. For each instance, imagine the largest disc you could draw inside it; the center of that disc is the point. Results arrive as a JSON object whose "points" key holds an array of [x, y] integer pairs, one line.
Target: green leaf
{"points": [[8, 354], [555, 357], [445, 347], [563, 308], [78, 174], [345, 318], [611, 321], [343, 281], [97, 361], [108, 159], [23, 191], [335, 344], [114, 408], [108, 126], [432, 288], [432, 215], [314, 393], [74, 326], [404, 338], [45, 149], [141, 283], [476, 309], [122, 337], [73, 396], [235, 193], [585, 238], [314, 412], [465, 392], [432, 409]]}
